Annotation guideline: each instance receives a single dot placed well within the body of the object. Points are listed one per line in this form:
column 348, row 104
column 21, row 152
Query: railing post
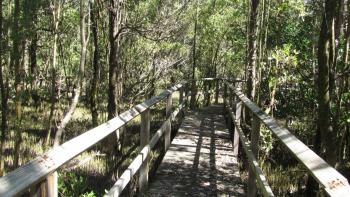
column 225, row 95
column 193, row 94
column 186, row 95
column 167, row 133
column 230, row 98
column 217, row 91
column 237, row 124
column 52, row 185
column 144, row 140
column 42, row 189
column 229, row 106
column 181, row 96
column 181, row 99
column 254, row 145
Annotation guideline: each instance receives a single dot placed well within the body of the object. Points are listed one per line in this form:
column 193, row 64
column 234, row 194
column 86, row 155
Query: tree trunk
column 115, row 68
column 326, row 50
column 252, row 54
column 193, row 84
column 33, row 53
column 153, row 78
column 95, row 65
column 56, row 13
column 4, row 98
column 252, row 49
column 342, row 89
column 115, row 83
column 80, row 83
column 15, row 63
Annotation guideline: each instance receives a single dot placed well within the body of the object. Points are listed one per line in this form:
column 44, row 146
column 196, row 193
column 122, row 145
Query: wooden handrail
column 136, row 164
column 239, row 136
column 330, row 179
column 36, row 171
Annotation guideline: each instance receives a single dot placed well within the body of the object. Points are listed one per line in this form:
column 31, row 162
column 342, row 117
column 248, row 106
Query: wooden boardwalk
column 200, row 159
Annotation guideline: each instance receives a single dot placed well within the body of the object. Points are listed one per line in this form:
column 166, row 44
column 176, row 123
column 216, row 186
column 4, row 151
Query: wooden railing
column 141, row 162
column 333, row 183
column 35, row 177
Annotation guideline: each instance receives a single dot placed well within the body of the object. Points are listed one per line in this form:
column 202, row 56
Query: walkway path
column 200, row 160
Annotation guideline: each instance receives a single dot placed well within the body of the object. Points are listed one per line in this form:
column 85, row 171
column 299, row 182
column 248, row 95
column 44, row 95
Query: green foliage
column 72, row 184
column 266, row 141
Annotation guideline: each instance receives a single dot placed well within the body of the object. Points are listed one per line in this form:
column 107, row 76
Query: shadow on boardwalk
column 200, row 160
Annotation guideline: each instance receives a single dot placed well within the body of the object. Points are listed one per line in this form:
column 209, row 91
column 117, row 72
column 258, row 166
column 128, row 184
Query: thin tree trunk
column 326, row 50
column 252, row 54
column 4, row 98
column 80, row 83
column 115, row 83
column 153, row 78
column 273, row 90
column 194, row 50
column 342, row 89
column 15, row 60
column 56, row 13
column 95, row 65
column 252, row 49
column 33, row 70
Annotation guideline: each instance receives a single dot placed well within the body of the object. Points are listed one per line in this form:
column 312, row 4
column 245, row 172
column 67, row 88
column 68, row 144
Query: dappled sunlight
column 200, row 160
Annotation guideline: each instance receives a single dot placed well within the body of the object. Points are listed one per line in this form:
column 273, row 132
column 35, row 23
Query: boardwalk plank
column 200, row 160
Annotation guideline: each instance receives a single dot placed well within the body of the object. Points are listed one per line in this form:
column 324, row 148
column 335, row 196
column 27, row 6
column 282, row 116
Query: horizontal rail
column 223, row 79
column 330, row 179
column 35, row 171
column 254, row 165
column 135, row 165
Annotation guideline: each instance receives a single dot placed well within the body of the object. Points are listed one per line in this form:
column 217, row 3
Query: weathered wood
column 137, row 162
column 52, row 185
column 217, row 85
column 144, row 140
column 254, row 165
column 21, row 179
column 225, row 95
column 125, row 178
column 181, row 99
column 237, row 122
column 231, row 96
column 167, row 135
column 254, row 146
column 199, row 161
column 330, row 179
column 237, row 119
column 207, row 79
column 39, row 190
column 181, row 96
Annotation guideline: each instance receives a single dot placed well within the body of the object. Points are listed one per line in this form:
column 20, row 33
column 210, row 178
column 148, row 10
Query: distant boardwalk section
column 200, row 160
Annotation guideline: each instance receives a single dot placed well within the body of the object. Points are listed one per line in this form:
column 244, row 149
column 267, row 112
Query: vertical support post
column 225, row 95
column 40, row 189
column 217, row 91
column 52, row 185
column 230, row 98
column 254, row 145
column 186, row 96
column 144, row 141
column 167, row 133
column 193, row 94
column 181, row 99
column 238, row 113
column 181, row 96
column 230, row 118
